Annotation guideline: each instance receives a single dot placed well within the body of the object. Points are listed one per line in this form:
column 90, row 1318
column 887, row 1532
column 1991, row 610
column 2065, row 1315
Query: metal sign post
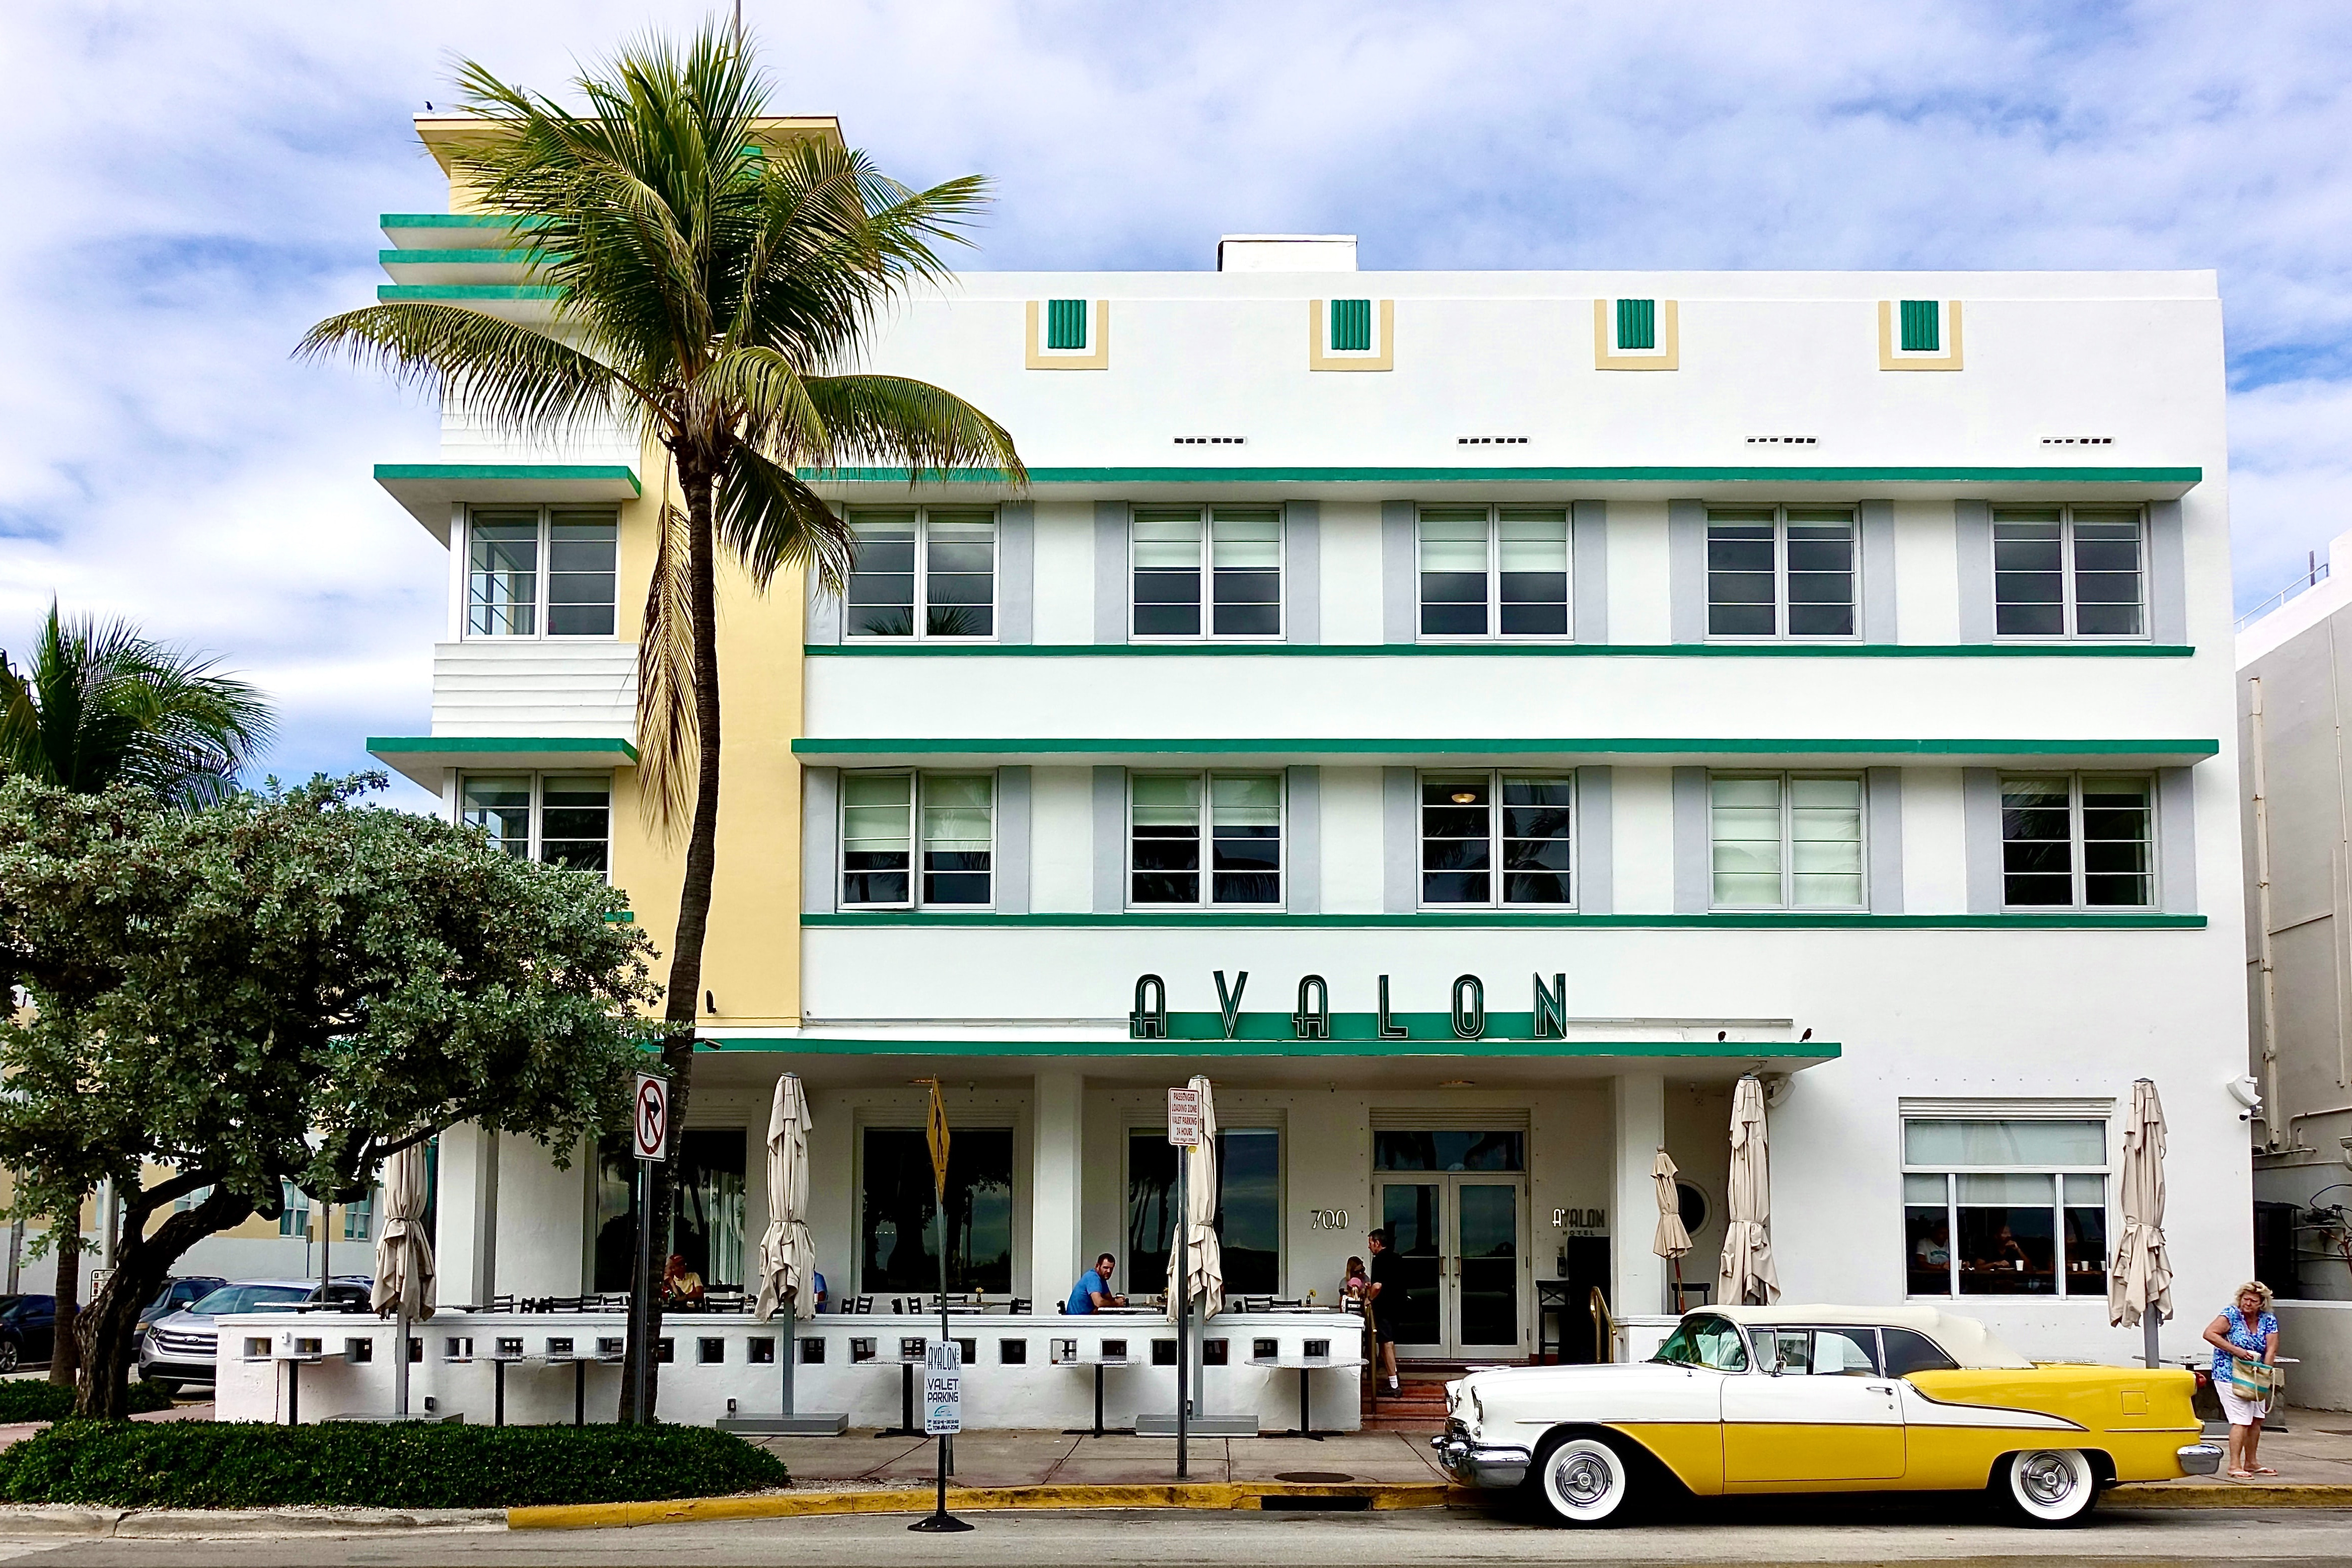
column 942, row 1361
column 649, row 1130
column 1184, row 1132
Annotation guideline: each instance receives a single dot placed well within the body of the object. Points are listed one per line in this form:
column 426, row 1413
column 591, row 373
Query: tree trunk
column 65, row 1344
column 683, row 1005
column 106, row 1333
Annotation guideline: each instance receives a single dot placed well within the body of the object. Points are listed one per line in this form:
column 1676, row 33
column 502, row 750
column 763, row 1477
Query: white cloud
column 192, row 185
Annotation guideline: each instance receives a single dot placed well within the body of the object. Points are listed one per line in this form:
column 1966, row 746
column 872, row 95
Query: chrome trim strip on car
column 1479, row 1466
column 2008, row 1415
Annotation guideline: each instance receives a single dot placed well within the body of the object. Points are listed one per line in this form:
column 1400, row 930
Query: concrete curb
column 232, row 1525
column 1223, row 1496
column 2235, row 1494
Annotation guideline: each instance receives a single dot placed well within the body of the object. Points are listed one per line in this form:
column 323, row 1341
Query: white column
column 1056, row 1156
column 1637, row 1275
column 466, row 1210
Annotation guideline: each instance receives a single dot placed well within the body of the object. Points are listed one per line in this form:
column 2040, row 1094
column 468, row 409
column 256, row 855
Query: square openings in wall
column 2078, row 440
column 1211, row 440
column 1490, row 440
column 1784, row 440
column 710, row 1350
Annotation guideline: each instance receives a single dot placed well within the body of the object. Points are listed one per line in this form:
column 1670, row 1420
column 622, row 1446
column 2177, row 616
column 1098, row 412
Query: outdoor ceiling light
column 1464, row 797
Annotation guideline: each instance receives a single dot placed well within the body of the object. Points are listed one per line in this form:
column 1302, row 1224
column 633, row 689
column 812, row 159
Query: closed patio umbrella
column 1670, row 1241
column 787, row 1251
column 2140, row 1281
column 1206, row 1280
column 1746, row 1277
column 403, row 1257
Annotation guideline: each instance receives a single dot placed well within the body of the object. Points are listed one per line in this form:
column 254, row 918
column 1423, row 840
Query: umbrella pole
column 1182, row 1285
column 784, row 1349
column 2147, row 1335
column 400, row 1351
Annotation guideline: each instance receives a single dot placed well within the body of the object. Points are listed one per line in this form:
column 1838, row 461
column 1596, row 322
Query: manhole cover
column 1314, row 1478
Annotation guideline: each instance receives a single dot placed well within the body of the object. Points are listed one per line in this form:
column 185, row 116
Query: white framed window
column 1204, row 840
column 1495, row 839
column 294, row 1217
column 1235, row 552
column 1493, row 571
column 2069, row 571
column 922, row 572
column 2078, row 841
column 541, row 570
column 556, row 819
column 1785, row 841
column 358, row 1219
column 1782, row 572
column 918, row 840
column 2005, row 1205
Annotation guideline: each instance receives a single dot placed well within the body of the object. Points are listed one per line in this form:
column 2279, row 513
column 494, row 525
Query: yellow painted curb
column 1214, row 1495
column 2235, row 1494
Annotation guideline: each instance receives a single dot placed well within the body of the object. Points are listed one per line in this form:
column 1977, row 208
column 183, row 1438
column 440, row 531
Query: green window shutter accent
column 1351, row 325
column 1066, row 323
column 1637, row 323
column 1923, row 326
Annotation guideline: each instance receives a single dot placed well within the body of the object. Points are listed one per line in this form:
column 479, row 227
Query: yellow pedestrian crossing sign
column 938, row 1138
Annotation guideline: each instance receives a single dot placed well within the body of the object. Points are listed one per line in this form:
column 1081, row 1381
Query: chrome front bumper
column 1474, row 1466
column 2199, row 1459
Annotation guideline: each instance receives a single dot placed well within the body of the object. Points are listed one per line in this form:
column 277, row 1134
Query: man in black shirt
column 1384, row 1300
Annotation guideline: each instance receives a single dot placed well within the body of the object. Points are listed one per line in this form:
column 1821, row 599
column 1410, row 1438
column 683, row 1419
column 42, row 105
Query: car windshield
column 246, row 1298
column 1711, row 1342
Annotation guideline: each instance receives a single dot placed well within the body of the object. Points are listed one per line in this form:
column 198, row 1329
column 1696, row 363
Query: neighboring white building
column 1565, row 691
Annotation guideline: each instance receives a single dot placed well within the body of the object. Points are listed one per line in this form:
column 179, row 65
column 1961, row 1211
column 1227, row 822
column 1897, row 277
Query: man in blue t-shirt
column 1093, row 1289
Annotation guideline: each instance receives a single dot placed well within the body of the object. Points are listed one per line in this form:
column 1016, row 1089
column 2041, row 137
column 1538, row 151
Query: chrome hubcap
column 1581, row 1479
column 2046, row 1478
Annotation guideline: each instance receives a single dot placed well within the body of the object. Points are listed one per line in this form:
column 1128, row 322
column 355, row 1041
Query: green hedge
column 198, row 1464
column 38, row 1399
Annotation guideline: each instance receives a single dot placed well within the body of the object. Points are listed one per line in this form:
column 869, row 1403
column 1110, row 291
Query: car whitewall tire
column 2048, row 1486
column 1584, row 1481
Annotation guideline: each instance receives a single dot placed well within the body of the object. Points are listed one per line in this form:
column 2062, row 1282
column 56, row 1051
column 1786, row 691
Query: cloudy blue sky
column 192, row 185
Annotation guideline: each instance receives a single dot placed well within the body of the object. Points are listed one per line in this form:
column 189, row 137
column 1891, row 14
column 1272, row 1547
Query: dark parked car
column 27, row 1330
column 177, row 1294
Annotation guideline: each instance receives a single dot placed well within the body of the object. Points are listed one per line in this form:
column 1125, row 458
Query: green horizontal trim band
column 401, row 293
column 935, row 648
column 1635, row 744
column 1498, row 1049
column 484, row 257
column 1491, row 919
column 529, row 473
column 456, row 220
column 1602, row 475
column 479, row 745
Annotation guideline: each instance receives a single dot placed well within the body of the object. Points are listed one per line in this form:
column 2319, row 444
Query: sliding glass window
column 2078, row 841
column 2068, row 572
column 1499, row 571
column 541, row 570
column 1238, row 551
column 1781, row 841
column 883, row 816
column 556, row 819
column 1490, row 839
column 1244, row 831
column 1780, row 571
column 922, row 572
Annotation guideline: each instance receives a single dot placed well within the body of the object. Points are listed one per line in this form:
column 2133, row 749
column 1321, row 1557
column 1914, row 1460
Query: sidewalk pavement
column 1001, row 1459
column 2315, row 1451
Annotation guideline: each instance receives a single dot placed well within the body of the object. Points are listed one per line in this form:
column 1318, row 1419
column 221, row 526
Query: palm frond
column 667, row 741
column 896, row 420
column 770, row 520
column 521, row 379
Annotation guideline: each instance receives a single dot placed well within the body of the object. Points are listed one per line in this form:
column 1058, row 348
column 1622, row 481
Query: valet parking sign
column 942, row 1389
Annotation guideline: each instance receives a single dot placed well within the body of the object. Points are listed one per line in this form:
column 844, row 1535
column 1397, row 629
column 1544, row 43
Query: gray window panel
column 2168, row 588
column 1972, row 532
column 1883, row 839
column 1399, row 572
column 1110, row 572
column 1399, row 841
column 1687, row 572
column 820, row 838
column 1694, row 876
column 824, row 614
column 1878, row 570
column 1302, row 541
column 1016, row 576
column 1596, row 891
column 1981, row 815
column 1012, row 855
column 1110, row 829
column 1305, row 829
column 2176, row 832
column 1590, row 561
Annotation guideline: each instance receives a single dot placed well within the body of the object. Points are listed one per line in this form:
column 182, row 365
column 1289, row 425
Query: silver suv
column 179, row 1348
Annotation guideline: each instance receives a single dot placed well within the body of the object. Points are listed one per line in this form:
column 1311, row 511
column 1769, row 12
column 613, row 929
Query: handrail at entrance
column 1604, row 1329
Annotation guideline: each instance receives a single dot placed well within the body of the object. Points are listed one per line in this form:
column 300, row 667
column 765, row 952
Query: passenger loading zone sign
column 942, row 1389
column 652, row 1117
column 1185, row 1116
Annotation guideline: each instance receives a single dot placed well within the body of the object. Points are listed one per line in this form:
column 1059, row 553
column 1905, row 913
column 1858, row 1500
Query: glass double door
column 1458, row 1243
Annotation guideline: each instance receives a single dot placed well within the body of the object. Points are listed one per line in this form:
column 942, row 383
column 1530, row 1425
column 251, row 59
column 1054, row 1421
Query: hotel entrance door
column 1454, row 1206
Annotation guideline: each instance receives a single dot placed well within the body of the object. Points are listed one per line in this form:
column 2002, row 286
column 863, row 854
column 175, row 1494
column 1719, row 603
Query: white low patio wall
column 256, row 1363
column 2318, row 1336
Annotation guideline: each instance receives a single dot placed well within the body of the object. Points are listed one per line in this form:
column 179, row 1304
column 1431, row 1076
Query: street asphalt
column 1734, row 1535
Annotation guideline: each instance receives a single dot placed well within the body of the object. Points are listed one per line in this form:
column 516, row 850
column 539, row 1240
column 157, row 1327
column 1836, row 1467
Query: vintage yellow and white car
column 1749, row 1400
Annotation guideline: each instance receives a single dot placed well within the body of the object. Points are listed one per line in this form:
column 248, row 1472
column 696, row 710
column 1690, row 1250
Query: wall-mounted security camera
column 2248, row 1092
column 1776, row 1087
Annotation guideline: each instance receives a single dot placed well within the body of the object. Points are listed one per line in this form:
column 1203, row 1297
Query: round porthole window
column 1693, row 1203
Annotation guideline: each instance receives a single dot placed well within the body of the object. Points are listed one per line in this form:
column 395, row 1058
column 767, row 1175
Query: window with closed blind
column 2005, row 1206
column 1205, row 839
column 1207, row 571
column 917, row 839
column 1494, row 572
column 1785, row 841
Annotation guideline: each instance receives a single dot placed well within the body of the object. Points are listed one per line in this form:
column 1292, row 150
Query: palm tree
column 98, row 705
column 715, row 293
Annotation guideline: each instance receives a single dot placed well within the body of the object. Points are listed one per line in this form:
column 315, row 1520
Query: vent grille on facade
column 1490, row 440
column 1784, row 440
column 1212, row 441
column 2078, row 440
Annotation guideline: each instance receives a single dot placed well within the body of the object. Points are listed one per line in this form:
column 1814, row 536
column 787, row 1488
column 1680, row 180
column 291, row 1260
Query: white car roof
column 1965, row 1340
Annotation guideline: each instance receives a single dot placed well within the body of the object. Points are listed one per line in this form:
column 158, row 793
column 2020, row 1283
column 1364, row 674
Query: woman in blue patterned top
column 2246, row 1330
